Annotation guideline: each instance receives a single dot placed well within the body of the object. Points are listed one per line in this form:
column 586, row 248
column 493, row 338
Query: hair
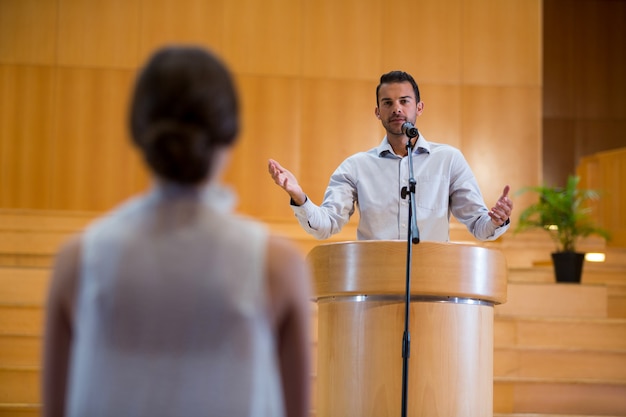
column 184, row 107
column 398, row 77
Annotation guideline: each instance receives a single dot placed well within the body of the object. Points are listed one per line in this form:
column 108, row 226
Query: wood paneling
column 585, row 59
column 343, row 39
column 307, row 73
column 605, row 172
column 27, row 118
column 95, row 166
column 27, row 31
column 99, row 33
column 423, row 37
column 501, row 137
column 270, row 129
column 501, row 42
column 182, row 21
column 264, row 37
column 584, row 95
column 441, row 120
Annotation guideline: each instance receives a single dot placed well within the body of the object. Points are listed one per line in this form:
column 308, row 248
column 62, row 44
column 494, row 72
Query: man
column 373, row 180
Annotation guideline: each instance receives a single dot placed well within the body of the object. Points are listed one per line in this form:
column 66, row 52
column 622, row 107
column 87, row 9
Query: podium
column 359, row 288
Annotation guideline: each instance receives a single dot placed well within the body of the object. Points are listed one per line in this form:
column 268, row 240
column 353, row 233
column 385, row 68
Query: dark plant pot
column 568, row 266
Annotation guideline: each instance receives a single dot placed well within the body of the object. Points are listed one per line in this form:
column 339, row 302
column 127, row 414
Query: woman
column 171, row 305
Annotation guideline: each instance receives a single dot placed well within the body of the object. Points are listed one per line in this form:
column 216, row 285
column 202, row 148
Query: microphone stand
column 412, row 238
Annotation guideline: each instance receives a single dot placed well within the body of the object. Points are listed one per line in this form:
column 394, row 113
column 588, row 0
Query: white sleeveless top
column 171, row 312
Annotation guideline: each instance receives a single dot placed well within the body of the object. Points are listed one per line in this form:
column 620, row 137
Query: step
column 24, row 285
column 617, row 301
column 593, row 273
column 528, row 254
column 32, row 242
column 19, row 385
column 21, row 319
column 33, row 237
column 527, row 249
column 20, row 350
column 554, row 300
column 614, row 278
column 578, row 364
column 20, row 410
column 26, row 260
column 535, row 247
column 552, row 333
column 50, row 220
column 559, row 396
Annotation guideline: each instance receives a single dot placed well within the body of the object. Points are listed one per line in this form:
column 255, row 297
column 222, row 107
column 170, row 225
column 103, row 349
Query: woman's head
column 184, row 109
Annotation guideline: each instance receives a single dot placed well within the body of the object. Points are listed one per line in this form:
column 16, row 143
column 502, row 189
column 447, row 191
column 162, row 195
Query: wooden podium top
column 437, row 269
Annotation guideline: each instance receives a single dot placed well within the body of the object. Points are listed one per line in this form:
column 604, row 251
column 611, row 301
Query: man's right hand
column 287, row 181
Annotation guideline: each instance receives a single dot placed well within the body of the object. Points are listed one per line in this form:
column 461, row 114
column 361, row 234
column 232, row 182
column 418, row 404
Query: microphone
column 409, row 130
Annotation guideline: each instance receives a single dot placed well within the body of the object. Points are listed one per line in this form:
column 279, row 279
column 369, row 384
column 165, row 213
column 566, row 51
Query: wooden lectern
column 360, row 292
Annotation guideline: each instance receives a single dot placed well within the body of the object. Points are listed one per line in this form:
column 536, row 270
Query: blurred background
column 525, row 88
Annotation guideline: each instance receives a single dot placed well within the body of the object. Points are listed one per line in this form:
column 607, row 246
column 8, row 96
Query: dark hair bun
column 183, row 110
column 177, row 152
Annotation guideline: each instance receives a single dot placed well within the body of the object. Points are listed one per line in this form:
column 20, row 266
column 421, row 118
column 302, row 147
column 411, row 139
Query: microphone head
column 409, row 130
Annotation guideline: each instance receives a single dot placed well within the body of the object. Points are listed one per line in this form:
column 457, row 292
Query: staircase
column 28, row 242
column 560, row 349
column 557, row 352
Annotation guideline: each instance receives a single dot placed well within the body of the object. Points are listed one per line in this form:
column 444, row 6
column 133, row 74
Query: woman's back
column 172, row 313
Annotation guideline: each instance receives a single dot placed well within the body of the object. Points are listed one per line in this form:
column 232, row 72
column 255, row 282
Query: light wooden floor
column 560, row 349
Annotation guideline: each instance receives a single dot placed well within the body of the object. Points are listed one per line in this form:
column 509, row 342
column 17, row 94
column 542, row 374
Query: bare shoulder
column 286, row 262
column 288, row 274
column 283, row 252
column 65, row 274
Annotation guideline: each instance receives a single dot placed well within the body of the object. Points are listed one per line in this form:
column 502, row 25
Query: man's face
column 397, row 105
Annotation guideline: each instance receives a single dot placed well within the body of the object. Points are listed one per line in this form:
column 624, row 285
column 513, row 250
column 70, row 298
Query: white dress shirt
column 372, row 182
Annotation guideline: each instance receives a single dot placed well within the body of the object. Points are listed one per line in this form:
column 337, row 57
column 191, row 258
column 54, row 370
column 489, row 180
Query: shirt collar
column 421, row 146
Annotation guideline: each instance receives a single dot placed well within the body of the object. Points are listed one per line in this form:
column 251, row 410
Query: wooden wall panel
column 270, row 129
column 441, row 120
column 605, row 171
column 93, row 158
column 26, row 132
column 423, row 37
column 183, row 21
column 343, row 39
column 501, row 42
column 610, row 132
column 307, row 73
column 584, row 95
column 263, row 37
column 559, row 150
column 600, row 82
column 27, row 29
column 99, row 33
column 502, row 143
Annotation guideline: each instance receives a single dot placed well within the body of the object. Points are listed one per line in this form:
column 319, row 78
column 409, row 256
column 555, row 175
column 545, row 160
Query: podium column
column 360, row 294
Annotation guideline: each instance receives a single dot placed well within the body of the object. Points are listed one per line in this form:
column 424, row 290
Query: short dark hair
column 184, row 107
column 398, row 77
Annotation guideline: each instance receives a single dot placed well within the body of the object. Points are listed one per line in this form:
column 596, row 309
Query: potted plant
column 563, row 213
